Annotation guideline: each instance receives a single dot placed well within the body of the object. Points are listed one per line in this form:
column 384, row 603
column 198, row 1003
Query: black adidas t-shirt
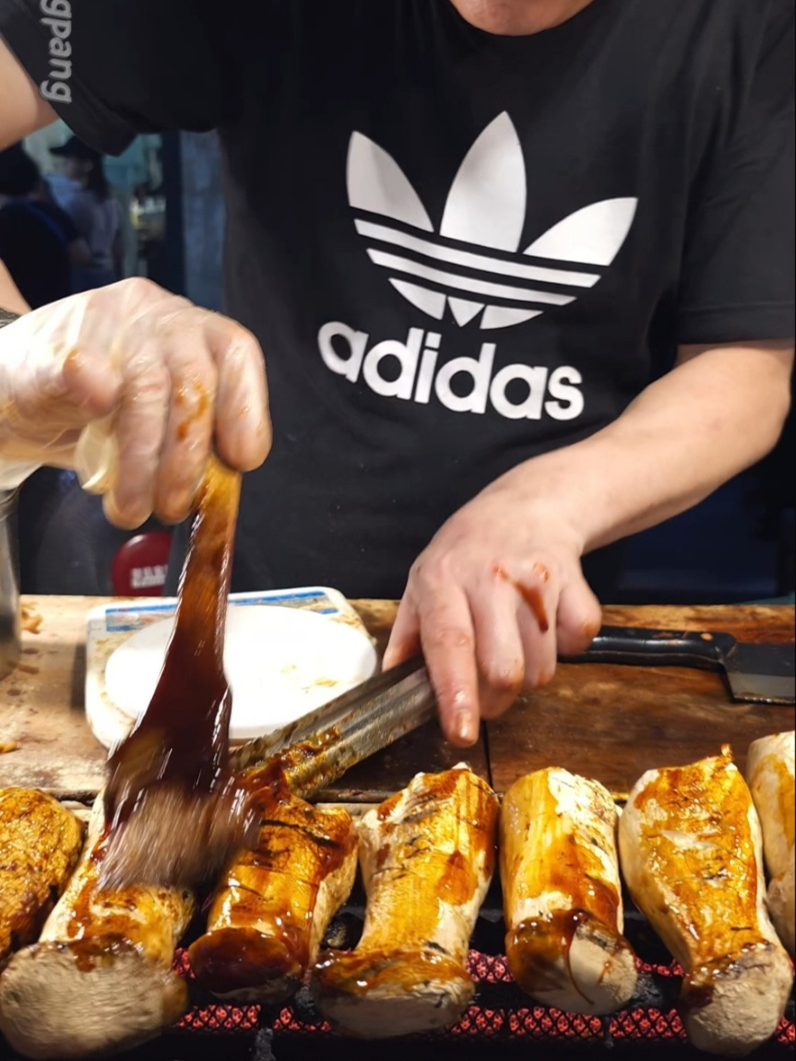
column 458, row 250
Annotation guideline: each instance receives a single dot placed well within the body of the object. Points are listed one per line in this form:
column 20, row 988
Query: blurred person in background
column 39, row 243
column 95, row 213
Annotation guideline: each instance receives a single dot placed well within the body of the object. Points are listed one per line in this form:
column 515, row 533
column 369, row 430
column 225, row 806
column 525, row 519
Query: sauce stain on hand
column 530, row 594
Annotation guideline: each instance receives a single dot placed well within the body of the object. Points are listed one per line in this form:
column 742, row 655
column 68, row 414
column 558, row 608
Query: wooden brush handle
column 183, row 734
column 204, row 584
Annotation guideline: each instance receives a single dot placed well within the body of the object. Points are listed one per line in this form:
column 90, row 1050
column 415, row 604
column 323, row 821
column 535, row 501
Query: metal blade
column 762, row 673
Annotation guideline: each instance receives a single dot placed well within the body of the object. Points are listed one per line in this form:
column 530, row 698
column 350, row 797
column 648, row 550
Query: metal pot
column 9, row 584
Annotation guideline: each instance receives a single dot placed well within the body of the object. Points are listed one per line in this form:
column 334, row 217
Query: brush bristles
column 176, row 838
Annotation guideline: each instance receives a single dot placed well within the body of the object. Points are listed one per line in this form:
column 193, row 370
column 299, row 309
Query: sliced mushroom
column 770, row 773
column 100, row 978
column 427, row 857
column 691, row 853
column 40, row 843
column 273, row 904
column 562, row 897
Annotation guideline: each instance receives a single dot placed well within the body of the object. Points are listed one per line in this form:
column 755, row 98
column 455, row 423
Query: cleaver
column 762, row 674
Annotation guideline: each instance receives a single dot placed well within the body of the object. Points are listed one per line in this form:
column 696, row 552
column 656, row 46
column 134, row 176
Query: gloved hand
column 176, row 379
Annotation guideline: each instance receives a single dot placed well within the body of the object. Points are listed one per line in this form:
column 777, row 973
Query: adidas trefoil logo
column 485, row 208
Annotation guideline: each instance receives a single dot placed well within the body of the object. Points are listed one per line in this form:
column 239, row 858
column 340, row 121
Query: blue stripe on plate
column 132, row 617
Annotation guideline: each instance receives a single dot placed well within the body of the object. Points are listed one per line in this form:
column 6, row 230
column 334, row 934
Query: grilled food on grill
column 562, row 897
column 100, row 978
column 427, row 857
column 770, row 770
column 274, row 903
column 40, row 843
column 691, row 854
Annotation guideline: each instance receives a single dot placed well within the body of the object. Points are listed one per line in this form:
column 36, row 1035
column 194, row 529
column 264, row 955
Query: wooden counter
column 608, row 722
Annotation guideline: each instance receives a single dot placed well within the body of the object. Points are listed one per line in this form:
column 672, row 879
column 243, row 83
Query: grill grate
column 499, row 1014
column 500, row 1017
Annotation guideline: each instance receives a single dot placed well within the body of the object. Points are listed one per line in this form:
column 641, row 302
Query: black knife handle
column 680, row 648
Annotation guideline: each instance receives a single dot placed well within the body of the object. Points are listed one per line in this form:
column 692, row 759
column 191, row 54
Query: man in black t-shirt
column 469, row 236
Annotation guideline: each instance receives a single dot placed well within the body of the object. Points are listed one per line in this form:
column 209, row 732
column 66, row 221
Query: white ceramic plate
column 280, row 663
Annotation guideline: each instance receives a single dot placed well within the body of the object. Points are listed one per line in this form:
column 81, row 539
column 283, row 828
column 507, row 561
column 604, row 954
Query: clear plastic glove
column 493, row 600
column 172, row 380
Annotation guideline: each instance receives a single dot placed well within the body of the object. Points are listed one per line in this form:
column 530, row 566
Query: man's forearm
column 714, row 415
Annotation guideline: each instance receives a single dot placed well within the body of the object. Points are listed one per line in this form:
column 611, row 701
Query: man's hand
column 179, row 381
column 491, row 602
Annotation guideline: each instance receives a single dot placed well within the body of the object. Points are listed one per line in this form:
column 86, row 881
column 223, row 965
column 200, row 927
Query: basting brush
column 174, row 814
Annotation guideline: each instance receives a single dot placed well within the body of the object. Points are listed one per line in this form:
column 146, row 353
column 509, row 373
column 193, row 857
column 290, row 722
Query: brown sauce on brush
column 183, row 736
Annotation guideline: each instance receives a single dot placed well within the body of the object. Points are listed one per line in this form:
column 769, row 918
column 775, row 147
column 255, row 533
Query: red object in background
column 138, row 568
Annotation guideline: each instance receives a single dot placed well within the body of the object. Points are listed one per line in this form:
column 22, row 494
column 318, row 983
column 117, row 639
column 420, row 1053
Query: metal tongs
column 317, row 749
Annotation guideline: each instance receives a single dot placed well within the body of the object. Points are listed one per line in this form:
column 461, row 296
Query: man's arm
column 499, row 592
column 22, row 110
column 721, row 409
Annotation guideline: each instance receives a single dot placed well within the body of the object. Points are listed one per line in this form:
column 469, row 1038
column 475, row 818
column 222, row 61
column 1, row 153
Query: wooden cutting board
column 605, row 721
column 613, row 722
